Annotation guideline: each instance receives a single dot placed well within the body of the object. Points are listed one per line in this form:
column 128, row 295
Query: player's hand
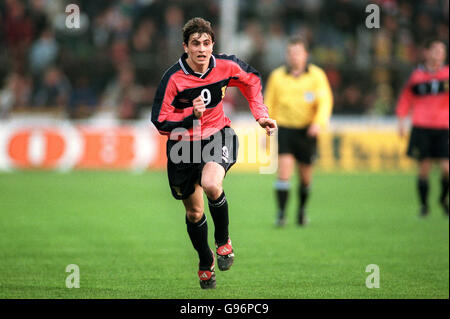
column 314, row 130
column 199, row 106
column 268, row 124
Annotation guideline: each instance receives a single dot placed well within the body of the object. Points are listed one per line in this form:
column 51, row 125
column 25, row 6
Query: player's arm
column 324, row 104
column 403, row 108
column 248, row 80
column 165, row 116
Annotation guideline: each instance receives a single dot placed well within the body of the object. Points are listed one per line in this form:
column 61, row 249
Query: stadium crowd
column 115, row 60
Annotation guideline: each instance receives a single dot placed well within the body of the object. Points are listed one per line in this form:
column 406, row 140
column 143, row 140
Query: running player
column 201, row 145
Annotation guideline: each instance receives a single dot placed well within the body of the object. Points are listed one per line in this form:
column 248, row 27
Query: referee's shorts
column 428, row 143
column 298, row 143
column 186, row 159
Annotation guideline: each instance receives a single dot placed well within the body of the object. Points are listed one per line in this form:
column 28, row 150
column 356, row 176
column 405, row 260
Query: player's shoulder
column 279, row 71
column 315, row 69
column 228, row 60
column 418, row 73
column 226, row 57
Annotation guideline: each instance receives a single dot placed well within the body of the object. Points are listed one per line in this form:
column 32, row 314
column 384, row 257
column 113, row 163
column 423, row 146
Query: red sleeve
column 164, row 115
column 405, row 100
column 248, row 80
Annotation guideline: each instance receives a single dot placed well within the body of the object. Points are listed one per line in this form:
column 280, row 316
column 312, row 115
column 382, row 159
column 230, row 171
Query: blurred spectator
column 15, row 94
column 83, row 101
column 267, row 10
column 44, row 52
column 174, row 21
column 144, row 53
column 53, row 91
column 246, row 39
column 275, row 49
column 250, row 45
column 123, row 96
column 119, row 52
column 352, row 101
column 18, row 30
column 424, row 23
column 101, row 33
column 38, row 15
column 383, row 102
column 118, row 19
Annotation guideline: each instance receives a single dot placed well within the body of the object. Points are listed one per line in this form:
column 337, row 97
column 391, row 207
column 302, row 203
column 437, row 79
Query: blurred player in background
column 426, row 96
column 299, row 98
column 190, row 97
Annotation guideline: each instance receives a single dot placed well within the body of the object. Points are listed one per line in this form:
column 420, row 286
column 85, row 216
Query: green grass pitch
column 128, row 237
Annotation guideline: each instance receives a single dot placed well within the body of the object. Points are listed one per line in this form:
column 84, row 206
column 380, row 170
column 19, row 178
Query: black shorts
column 428, row 143
column 298, row 143
column 186, row 159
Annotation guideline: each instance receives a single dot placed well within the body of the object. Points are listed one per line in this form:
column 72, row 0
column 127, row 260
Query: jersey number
column 206, row 96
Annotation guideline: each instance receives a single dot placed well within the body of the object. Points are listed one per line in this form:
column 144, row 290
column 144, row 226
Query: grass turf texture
column 128, row 236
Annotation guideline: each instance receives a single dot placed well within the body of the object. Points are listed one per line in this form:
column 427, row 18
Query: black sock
column 282, row 192
column 219, row 213
column 198, row 233
column 444, row 188
column 303, row 196
column 422, row 186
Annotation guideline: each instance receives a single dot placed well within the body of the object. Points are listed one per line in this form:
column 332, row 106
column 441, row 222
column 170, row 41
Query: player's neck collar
column 424, row 67
column 289, row 69
column 188, row 70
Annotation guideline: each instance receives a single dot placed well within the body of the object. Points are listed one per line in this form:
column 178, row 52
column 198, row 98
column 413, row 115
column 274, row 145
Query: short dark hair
column 197, row 25
column 298, row 39
column 427, row 44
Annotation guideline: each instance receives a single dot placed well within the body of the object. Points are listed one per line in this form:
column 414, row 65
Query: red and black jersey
column 426, row 95
column 180, row 85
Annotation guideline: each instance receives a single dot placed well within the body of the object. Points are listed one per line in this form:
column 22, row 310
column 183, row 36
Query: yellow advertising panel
column 353, row 149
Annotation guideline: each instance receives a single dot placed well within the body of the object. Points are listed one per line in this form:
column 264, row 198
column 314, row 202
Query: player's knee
column 212, row 188
column 194, row 215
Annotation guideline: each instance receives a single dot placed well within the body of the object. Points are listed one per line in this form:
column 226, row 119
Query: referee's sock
column 198, row 233
column 303, row 195
column 423, row 188
column 219, row 213
column 282, row 192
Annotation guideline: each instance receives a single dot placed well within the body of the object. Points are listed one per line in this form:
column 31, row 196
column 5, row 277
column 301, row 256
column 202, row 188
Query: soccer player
column 201, row 146
column 426, row 96
column 299, row 98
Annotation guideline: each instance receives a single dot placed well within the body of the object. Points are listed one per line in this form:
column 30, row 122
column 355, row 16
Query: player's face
column 296, row 56
column 436, row 54
column 199, row 50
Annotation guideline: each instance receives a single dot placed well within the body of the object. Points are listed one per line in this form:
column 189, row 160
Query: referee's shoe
column 302, row 219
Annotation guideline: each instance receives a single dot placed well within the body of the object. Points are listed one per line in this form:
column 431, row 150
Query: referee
column 299, row 98
column 425, row 96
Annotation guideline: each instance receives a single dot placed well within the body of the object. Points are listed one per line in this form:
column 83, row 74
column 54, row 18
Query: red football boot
column 225, row 256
